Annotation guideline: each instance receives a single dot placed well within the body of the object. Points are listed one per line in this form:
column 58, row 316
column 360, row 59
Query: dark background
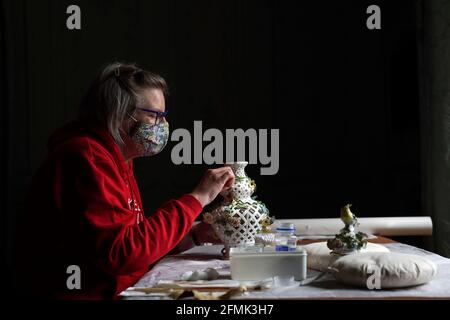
column 345, row 98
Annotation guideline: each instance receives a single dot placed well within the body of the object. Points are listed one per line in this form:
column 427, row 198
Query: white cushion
column 395, row 270
column 319, row 257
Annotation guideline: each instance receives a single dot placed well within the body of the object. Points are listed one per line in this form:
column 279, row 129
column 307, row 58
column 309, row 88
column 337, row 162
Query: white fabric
column 319, row 257
column 395, row 270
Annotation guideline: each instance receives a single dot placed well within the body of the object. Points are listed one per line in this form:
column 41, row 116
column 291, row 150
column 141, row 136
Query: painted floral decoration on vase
column 240, row 216
column 347, row 241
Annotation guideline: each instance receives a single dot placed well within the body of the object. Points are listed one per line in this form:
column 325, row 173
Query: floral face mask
column 150, row 139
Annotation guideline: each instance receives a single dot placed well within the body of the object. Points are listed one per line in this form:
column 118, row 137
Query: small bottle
column 285, row 236
column 292, row 243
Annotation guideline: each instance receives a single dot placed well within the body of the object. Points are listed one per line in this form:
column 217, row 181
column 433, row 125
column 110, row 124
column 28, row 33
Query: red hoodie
column 85, row 210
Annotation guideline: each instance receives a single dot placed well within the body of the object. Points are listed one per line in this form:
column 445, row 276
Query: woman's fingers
column 212, row 183
column 228, row 179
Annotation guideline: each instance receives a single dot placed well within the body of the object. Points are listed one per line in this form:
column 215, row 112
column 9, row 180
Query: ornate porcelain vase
column 239, row 217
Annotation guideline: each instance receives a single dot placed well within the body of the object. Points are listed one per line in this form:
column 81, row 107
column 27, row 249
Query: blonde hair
column 116, row 92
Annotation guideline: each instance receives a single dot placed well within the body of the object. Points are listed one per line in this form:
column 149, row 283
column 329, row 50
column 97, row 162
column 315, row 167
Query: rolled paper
column 382, row 226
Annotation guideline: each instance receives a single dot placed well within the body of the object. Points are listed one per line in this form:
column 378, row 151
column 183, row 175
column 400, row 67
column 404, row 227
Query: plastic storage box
column 266, row 263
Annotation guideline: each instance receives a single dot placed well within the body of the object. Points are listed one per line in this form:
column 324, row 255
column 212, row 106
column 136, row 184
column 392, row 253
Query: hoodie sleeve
column 96, row 195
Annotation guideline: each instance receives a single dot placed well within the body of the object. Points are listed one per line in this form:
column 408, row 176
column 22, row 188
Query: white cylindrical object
column 383, row 226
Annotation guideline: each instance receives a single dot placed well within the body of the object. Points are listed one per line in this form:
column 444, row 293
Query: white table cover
column 326, row 287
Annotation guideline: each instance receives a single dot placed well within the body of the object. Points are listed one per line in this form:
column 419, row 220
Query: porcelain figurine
column 347, row 241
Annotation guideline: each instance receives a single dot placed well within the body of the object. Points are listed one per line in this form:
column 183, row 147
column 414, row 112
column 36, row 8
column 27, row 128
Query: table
column 326, row 287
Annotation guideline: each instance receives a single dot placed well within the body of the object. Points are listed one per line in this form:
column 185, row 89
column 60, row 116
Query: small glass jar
column 292, row 243
column 285, row 238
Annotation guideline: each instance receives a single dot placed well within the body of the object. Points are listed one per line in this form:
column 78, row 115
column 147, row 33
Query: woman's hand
column 199, row 234
column 212, row 183
column 204, row 233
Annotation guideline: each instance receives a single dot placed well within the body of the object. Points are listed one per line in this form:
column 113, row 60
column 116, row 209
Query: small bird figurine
column 347, row 216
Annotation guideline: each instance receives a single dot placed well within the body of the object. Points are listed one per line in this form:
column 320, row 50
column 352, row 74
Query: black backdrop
column 345, row 98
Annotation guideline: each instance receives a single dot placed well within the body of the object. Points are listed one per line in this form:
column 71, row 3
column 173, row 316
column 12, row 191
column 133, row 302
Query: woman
column 88, row 207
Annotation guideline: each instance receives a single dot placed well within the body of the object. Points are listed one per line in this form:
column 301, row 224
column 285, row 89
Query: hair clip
column 117, row 72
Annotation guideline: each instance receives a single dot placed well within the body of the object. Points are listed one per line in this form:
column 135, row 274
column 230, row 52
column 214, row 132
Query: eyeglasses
column 157, row 115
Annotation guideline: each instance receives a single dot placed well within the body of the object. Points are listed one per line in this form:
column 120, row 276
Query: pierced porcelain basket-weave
column 240, row 217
